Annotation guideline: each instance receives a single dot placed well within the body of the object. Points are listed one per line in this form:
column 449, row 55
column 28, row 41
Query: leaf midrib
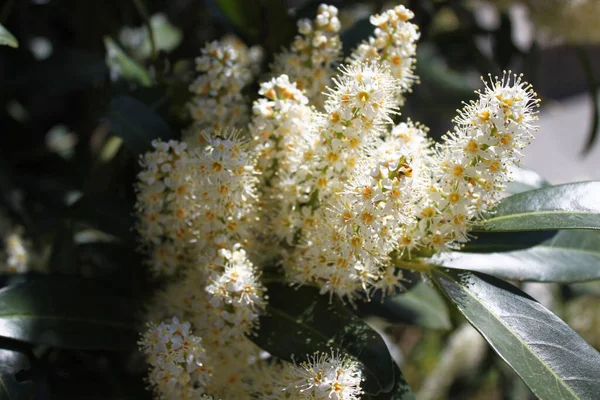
column 523, row 343
column 535, row 213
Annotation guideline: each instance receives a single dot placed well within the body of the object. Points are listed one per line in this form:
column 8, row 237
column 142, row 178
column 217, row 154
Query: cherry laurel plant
column 312, row 185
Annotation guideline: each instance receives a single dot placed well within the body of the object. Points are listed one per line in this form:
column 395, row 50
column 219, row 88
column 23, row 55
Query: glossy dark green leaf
column 67, row 312
column 15, row 371
column 545, row 352
column 301, row 322
column 492, row 242
column 571, row 256
column 569, row 206
column 524, row 180
column 7, row 38
column 421, row 305
column 137, row 124
column 400, row 391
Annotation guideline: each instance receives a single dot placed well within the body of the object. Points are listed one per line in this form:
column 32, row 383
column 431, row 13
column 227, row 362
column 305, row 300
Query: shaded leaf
column 137, row 124
column 14, row 364
column 400, row 391
column 7, row 38
column 543, row 350
column 124, row 66
column 422, row 306
column 571, row 256
column 491, row 242
column 569, row 206
column 301, row 322
column 67, row 312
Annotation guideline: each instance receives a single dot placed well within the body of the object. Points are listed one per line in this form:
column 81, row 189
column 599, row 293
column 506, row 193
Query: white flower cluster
column 323, row 376
column 17, row 254
column 278, row 124
column 394, row 44
column 310, row 60
column 470, row 169
column 330, row 194
column 177, row 359
column 225, row 68
column 164, row 206
column 194, row 210
column 191, row 203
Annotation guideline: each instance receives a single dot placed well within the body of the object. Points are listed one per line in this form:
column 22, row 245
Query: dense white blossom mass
column 315, row 181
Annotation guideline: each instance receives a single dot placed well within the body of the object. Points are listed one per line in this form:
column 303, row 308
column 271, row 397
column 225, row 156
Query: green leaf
column 69, row 313
column 421, row 305
column 571, row 256
column 524, row 180
column 492, row 242
column 124, row 66
column 569, row 206
column 543, row 350
column 7, row 38
column 400, row 391
column 136, row 124
column 301, row 322
column 14, row 362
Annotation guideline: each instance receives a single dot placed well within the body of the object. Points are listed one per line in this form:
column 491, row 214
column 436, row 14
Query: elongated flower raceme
column 394, row 44
column 164, row 206
column 325, row 192
column 471, row 166
column 309, row 61
column 191, row 203
column 218, row 103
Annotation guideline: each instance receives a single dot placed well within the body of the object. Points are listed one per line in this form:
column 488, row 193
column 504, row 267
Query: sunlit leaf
column 571, row 256
column 545, row 352
column 7, row 38
column 569, row 206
